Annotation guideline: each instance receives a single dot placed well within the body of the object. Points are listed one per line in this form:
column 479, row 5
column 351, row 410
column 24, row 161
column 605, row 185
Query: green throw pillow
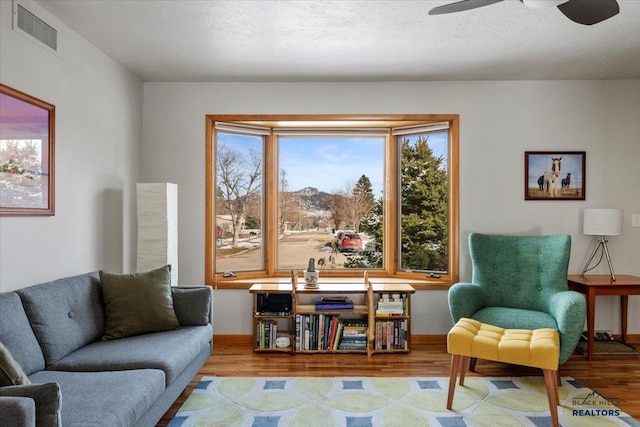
column 11, row 372
column 137, row 303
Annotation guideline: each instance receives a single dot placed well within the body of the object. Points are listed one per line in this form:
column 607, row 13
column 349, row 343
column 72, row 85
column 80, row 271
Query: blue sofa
column 54, row 330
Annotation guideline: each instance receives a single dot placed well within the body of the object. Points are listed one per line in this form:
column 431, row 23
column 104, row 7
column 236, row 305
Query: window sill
column 418, row 285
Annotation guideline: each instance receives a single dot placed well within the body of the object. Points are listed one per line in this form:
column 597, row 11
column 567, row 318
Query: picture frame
column 554, row 175
column 27, row 143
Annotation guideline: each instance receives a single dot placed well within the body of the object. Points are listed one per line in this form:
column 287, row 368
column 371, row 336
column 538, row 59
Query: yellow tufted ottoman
column 538, row 348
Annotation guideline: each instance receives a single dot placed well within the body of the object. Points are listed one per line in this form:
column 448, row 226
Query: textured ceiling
column 344, row 40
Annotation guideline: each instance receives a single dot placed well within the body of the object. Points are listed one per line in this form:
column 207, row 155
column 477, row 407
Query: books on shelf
column 329, row 332
column 391, row 335
column 266, row 333
column 354, row 335
column 391, row 305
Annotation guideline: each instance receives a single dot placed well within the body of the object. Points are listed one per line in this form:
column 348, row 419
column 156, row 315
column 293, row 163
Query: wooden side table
column 593, row 285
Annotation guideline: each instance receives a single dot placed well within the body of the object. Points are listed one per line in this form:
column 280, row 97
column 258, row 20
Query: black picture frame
column 555, row 175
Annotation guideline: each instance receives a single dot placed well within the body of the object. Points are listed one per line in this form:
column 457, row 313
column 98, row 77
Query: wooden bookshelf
column 382, row 312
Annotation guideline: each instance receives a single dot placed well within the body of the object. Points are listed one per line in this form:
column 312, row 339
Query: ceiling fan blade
column 461, row 6
column 541, row 4
column 589, row 12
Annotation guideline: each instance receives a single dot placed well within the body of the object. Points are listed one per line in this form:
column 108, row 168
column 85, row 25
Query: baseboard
column 230, row 340
column 631, row 338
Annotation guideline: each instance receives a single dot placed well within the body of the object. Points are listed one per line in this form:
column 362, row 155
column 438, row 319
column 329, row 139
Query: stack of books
column 334, row 303
column 391, row 305
column 354, row 335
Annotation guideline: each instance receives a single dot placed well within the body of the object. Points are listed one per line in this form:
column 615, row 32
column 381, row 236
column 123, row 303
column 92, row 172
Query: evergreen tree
column 424, row 213
column 424, row 207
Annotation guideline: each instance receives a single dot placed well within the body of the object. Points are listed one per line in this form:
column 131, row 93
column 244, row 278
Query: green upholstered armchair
column 520, row 282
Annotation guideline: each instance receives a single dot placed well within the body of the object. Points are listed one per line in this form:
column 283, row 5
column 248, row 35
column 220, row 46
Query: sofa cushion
column 138, row 303
column 515, row 318
column 192, row 305
column 46, row 397
column 11, row 372
column 65, row 314
column 17, row 336
column 109, row 399
column 170, row 351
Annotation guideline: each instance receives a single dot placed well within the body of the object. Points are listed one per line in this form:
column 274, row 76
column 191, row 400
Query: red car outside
column 349, row 242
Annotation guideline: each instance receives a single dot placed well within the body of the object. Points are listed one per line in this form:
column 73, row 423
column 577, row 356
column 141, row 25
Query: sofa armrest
column 17, row 412
column 46, row 397
column 193, row 305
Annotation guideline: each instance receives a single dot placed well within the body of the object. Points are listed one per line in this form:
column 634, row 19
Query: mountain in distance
column 312, row 199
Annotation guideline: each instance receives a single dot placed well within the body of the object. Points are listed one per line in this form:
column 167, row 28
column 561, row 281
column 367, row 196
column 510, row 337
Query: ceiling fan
column 587, row 12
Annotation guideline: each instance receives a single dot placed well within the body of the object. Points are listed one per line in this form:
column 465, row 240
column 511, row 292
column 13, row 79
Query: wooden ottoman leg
column 472, row 364
column 550, row 380
column 456, row 360
column 463, row 368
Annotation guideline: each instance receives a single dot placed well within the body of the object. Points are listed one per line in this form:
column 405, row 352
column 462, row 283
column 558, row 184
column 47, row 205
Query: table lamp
column 602, row 222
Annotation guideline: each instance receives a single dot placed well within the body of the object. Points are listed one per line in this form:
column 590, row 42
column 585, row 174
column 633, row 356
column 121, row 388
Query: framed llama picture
column 26, row 154
column 554, row 175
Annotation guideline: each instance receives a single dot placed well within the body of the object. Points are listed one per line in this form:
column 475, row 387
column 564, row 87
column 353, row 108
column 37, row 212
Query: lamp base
column 602, row 245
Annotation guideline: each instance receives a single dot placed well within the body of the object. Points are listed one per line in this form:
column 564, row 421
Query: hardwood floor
column 614, row 377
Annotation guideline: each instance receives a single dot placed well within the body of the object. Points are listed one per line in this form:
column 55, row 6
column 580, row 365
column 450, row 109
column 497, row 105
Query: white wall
column 97, row 158
column 498, row 122
column 100, row 121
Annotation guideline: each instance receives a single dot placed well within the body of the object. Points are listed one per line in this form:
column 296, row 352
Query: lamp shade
column 158, row 227
column 602, row 222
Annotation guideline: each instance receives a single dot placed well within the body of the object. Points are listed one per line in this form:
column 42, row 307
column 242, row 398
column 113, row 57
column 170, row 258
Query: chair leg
column 472, row 364
column 456, row 361
column 551, row 382
column 463, row 368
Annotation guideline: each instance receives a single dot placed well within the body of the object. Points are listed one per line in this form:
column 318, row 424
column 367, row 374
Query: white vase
column 311, row 279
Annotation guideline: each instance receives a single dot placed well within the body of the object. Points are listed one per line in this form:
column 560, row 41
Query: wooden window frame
column 389, row 272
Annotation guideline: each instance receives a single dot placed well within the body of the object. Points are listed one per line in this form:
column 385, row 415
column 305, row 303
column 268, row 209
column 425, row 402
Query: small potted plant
column 311, row 274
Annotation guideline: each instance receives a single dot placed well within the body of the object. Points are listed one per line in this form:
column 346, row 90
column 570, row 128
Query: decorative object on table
column 27, row 129
column 158, row 227
column 554, row 175
column 415, row 401
column 311, row 275
column 602, row 223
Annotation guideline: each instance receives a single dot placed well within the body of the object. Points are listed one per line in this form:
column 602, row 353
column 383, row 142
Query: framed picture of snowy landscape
column 554, row 175
column 26, row 154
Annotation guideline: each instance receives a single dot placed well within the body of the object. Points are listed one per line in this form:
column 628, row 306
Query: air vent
column 35, row 27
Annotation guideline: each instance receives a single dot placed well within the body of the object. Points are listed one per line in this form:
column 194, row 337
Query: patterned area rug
column 402, row 402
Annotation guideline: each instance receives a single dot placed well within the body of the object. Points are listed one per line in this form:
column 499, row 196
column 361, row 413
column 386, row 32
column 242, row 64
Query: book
column 334, row 303
column 341, row 306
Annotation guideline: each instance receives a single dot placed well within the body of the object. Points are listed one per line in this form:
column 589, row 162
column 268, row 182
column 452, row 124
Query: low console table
column 593, row 285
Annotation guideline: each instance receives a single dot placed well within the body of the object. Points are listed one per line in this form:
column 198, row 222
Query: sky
column 330, row 163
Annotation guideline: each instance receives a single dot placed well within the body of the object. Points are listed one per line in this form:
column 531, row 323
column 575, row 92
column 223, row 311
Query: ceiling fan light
column 541, row 4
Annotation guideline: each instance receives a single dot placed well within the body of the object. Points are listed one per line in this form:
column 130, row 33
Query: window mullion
column 271, row 204
column 391, row 203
